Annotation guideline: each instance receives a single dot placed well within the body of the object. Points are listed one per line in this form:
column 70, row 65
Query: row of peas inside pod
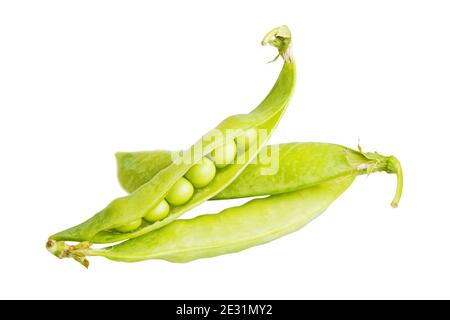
column 198, row 176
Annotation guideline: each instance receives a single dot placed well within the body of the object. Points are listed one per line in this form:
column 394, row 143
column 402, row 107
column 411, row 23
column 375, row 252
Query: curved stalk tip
column 394, row 166
column 280, row 38
column 388, row 164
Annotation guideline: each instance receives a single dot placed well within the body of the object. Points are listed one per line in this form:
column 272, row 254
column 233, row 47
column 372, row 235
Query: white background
column 81, row 80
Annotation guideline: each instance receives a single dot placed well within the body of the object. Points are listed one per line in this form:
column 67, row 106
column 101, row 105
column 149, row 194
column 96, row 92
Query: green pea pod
column 234, row 229
column 101, row 228
column 287, row 167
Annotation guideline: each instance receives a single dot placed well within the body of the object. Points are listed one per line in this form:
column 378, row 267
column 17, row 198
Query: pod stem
column 280, row 38
column 394, row 166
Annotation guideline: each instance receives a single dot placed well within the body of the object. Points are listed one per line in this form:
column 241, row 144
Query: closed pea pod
column 300, row 165
column 102, row 227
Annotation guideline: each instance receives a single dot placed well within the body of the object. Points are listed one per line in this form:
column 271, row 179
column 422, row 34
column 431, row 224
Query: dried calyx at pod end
column 62, row 250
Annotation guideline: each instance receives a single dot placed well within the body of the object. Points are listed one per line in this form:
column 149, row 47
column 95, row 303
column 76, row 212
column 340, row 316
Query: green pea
column 131, row 226
column 224, row 155
column 202, row 173
column 158, row 213
column 180, row 193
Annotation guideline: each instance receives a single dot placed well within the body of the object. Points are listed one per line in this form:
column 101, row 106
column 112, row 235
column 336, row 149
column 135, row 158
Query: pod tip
column 280, row 38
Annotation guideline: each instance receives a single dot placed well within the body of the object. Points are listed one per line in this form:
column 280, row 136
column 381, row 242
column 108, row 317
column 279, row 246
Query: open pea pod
column 232, row 230
column 102, row 227
column 279, row 168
